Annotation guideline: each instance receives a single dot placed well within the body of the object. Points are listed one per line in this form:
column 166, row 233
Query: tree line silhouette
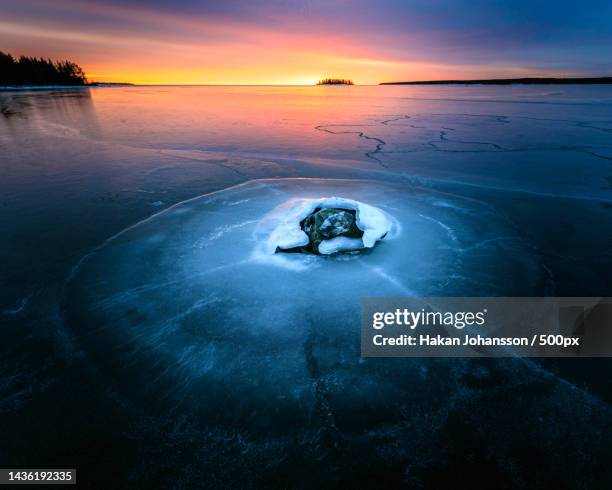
column 335, row 81
column 27, row 70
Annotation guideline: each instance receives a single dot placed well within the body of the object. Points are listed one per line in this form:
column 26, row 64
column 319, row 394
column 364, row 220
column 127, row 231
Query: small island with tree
column 29, row 71
column 335, row 81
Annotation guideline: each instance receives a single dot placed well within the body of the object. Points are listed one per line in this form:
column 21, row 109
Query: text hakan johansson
column 439, row 340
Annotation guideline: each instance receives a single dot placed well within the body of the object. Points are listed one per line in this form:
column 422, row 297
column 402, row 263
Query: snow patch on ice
column 338, row 244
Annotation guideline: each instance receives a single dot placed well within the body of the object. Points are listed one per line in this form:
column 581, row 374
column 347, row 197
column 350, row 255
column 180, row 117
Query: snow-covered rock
column 289, row 234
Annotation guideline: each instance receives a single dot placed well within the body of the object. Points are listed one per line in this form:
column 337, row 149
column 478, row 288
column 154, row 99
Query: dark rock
column 327, row 223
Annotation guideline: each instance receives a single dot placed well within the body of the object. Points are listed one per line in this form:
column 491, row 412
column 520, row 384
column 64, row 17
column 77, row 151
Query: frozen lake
column 135, row 315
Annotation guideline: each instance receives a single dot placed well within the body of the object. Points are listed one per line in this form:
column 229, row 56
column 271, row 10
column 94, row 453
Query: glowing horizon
column 298, row 42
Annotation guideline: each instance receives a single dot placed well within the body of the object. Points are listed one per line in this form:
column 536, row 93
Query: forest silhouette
column 27, row 70
column 335, row 81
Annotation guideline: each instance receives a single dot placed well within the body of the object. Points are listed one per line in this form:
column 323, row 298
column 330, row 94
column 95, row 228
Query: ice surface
column 257, row 344
column 286, row 232
column 189, row 306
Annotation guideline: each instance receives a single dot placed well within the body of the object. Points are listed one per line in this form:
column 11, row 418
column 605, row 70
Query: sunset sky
column 300, row 41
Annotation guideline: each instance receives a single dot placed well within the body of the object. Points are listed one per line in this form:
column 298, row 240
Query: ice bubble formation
column 288, row 233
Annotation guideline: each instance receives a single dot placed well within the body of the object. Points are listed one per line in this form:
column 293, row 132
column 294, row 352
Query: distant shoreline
column 494, row 81
column 513, row 81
